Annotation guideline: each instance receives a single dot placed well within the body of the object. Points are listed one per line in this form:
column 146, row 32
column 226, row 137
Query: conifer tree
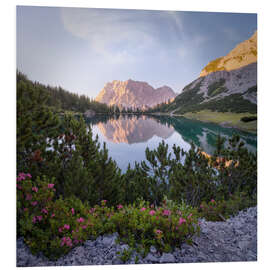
column 36, row 124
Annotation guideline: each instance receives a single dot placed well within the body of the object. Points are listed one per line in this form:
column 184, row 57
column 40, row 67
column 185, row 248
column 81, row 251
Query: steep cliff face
column 134, row 94
column 226, row 84
column 242, row 55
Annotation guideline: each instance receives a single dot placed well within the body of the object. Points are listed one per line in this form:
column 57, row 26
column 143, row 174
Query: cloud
column 128, row 36
column 109, row 28
column 116, row 29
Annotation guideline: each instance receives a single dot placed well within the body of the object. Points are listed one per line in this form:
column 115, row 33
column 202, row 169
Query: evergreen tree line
column 60, row 99
column 64, row 149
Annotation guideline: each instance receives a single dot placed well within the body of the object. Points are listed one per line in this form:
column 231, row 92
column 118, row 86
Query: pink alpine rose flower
column 28, row 197
column 152, row 212
column 21, row 176
column 34, row 220
column 50, row 185
column 66, row 241
column 166, row 212
column 35, row 189
column 143, row 209
column 181, row 221
column 66, row 226
column 72, row 211
column 34, row 203
column 92, row 210
column 103, row 202
column 80, row 220
column 45, row 211
column 119, row 206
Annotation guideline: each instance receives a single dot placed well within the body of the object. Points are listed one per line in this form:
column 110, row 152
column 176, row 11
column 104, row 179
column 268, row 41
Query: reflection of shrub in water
column 249, row 118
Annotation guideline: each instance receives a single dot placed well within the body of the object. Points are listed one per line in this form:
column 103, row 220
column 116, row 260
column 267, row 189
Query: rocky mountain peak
column 242, row 55
column 134, row 94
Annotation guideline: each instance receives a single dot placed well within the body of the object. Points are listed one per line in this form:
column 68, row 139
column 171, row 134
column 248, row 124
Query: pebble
column 230, row 241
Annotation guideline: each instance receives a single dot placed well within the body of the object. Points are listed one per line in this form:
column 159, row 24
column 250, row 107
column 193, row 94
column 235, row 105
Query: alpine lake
column 127, row 136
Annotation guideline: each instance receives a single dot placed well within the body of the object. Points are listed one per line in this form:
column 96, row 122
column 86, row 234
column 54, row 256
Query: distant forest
column 61, row 99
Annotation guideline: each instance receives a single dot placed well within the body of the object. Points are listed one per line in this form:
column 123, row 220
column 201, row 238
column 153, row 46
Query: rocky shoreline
column 230, row 241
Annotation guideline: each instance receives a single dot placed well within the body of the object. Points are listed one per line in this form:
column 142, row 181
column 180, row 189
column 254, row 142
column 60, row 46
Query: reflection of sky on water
column 124, row 153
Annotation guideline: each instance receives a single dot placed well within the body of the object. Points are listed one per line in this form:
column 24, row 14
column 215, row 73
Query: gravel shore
column 230, row 241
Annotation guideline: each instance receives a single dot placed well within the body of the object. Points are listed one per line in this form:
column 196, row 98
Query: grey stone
column 153, row 250
column 252, row 255
column 167, row 258
column 188, row 259
column 243, row 244
column 88, row 244
column 117, row 261
column 124, row 247
column 109, row 240
column 79, row 251
column 151, row 258
column 176, row 252
column 110, row 256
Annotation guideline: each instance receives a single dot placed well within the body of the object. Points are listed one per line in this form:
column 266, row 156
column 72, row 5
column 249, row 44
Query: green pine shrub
column 223, row 209
column 63, row 148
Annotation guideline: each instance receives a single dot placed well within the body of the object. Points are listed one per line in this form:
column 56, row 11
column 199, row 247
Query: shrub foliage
column 54, row 226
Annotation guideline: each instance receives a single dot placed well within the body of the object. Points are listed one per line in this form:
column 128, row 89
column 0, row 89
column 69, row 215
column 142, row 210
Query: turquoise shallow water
column 127, row 137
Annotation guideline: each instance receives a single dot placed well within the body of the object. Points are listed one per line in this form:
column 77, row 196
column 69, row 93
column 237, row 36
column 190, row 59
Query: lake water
column 128, row 136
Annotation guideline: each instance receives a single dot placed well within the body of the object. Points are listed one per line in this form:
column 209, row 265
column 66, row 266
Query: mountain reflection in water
column 127, row 136
column 134, row 130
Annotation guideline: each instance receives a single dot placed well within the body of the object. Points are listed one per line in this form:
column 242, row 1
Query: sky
column 81, row 49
